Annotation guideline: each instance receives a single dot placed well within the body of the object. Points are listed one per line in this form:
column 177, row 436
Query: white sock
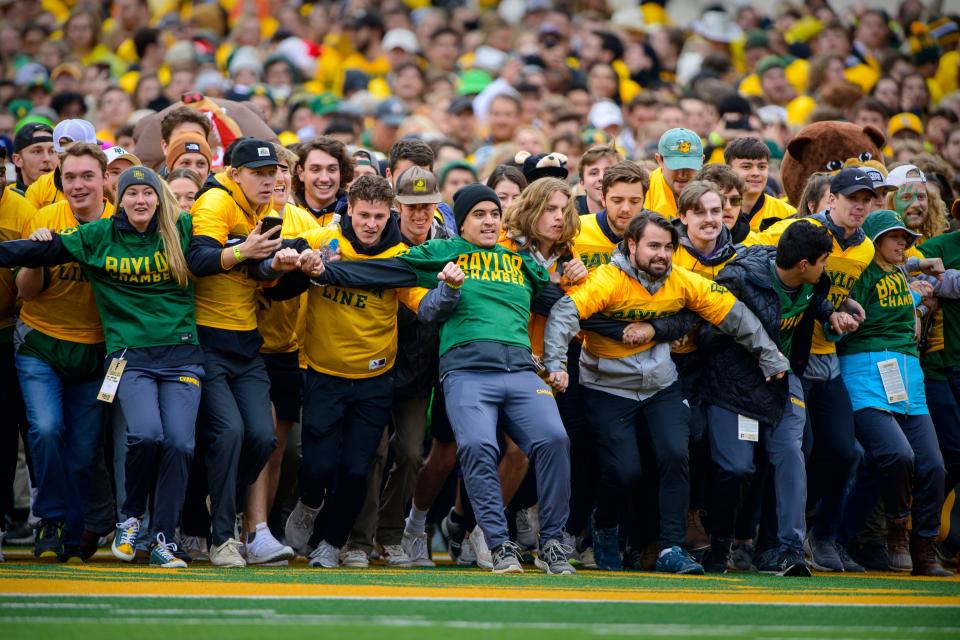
column 417, row 520
column 261, row 526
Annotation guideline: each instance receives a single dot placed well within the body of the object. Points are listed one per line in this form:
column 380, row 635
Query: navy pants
column 236, row 428
column 903, row 465
column 620, row 427
column 474, row 401
column 160, row 409
column 343, row 421
column 943, row 401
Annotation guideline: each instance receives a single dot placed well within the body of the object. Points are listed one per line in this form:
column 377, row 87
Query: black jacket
column 731, row 376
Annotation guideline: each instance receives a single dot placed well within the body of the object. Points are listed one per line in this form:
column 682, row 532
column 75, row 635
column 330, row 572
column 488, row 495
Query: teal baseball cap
column 681, row 149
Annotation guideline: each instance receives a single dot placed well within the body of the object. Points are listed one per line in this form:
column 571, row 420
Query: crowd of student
column 320, row 332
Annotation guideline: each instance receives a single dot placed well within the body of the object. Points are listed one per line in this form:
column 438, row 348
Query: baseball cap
column 116, row 153
column 883, row 220
column 903, row 174
column 904, row 122
column 770, row 62
column 851, row 180
column 874, row 169
column 460, row 104
column 325, row 104
column 31, row 133
column 681, row 149
column 75, row 130
column 416, row 185
column 400, row 39
column 391, row 111
column 605, row 114
column 254, row 153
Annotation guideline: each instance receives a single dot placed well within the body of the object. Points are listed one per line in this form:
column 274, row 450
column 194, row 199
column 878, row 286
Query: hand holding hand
column 559, row 381
column 574, row 271
column 638, row 333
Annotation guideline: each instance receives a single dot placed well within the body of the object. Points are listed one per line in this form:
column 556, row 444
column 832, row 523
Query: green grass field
column 106, row 600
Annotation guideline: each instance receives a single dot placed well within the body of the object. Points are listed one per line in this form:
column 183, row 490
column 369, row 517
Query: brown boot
column 696, row 538
column 898, row 545
column 925, row 561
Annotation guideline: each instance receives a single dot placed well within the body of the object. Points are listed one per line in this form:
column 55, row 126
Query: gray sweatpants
column 474, row 399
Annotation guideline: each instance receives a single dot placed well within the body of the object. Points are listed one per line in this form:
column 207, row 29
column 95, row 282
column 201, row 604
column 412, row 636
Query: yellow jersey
column 66, row 309
column 659, row 196
column 15, row 213
column 770, row 211
column 844, row 267
column 44, row 191
column 278, row 321
column 617, row 295
column 226, row 300
column 352, row 333
column 596, row 242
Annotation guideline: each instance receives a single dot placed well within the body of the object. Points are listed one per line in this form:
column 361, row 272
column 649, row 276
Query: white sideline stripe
column 479, row 599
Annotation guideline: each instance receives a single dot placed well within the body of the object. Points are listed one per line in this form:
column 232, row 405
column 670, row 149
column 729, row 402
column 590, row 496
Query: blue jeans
column 66, row 425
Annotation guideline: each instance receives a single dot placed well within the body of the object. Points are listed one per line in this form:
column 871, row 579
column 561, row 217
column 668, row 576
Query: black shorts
column 439, row 422
column 286, row 381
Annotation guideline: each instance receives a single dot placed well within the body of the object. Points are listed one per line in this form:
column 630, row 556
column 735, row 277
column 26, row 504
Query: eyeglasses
column 733, row 201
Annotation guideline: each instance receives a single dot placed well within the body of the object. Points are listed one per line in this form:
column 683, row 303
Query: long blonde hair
column 168, row 214
column 521, row 217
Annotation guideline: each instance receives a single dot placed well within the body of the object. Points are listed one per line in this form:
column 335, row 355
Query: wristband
column 236, row 254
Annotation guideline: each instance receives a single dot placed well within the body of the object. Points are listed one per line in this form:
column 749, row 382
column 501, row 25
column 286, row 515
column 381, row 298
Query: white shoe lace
column 415, row 546
column 396, row 553
column 230, row 546
column 130, row 528
column 165, row 549
column 556, row 551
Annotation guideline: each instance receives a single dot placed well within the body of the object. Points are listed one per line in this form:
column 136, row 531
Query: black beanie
column 466, row 198
column 138, row 175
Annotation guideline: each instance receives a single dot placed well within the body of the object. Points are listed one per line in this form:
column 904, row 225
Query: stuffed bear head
column 542, row 165
column 825, row 146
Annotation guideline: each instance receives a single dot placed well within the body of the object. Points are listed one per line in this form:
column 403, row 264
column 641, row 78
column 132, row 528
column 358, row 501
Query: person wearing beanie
column 189, row 150
column 482, row 294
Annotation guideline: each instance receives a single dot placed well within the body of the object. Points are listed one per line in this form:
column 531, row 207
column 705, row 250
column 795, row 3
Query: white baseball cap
column 75, row 130
column 116, row 153
column 905, row 173
column 605, row 114
column 400, row 39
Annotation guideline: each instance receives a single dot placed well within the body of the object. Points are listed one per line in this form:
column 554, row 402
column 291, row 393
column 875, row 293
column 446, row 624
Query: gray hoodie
column 641, row 375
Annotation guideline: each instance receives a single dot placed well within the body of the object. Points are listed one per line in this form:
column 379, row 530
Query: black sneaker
column 506, row 558
column 454, row 534
column 49, row 543
column 71, row 554
column 793, row 564
column 767, row 561
column 715, row 559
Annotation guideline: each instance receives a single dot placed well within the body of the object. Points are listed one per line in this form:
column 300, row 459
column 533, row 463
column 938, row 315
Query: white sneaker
column 484, row 557
column 195, row 547
column 325, row 555
column 228, row 554
column 468, row 556
column 266, row 550
column 299, row 528
column 394, row 555
column 124, row 545
column 354, row 558
column 415, row 547
column 528, row 523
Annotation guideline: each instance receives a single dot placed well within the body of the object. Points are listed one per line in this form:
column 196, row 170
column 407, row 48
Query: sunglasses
column 734, row 201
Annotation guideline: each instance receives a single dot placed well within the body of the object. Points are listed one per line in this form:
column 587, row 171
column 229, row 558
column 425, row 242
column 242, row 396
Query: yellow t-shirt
column 659, row 196
column 15, row 213
column 43, row 192
column 593, row 245
column 226, row 300
column 278, row 321
column 66, row 309
column 843, row 267
column 615, row 294
column 352, row 333
column 772, row 211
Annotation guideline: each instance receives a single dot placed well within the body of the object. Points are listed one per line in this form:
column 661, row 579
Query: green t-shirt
column 792, row 308
column 891, row 320
column 495, row 297
column 936, row 364
column 140, row 303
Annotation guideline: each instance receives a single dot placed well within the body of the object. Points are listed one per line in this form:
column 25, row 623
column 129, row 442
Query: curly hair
column 522, row 216
column 370, row 188
column 329, row 146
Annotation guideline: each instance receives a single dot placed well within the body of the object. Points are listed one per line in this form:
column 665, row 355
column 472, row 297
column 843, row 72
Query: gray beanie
column 138, row 175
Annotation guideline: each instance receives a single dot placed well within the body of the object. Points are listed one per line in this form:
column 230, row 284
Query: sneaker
column 325, row 556
column 124, row 545
column 71, row 554
column 467, row 556
column 696, row 538
column 849, row 564
column 162, row 555
column 227, row 554
column 393, row 555
column 506, row 558
column 552, row 558
column 415, row 546
column 767, row 561
column 21, row 533
column 678, row 561
column 299, row 528
column 569, row 540
column 479, row 542
column 49, row 539
column 587, row 559
column 717, row 557
column 194, row 546
column 823, row 554
column 872, row 556
column 354, row 558
column 263, row 549
column 741, row 557
column 898, row 546
column 454, row 534
column 527, row 527
column 793, row 564
column 606, row 548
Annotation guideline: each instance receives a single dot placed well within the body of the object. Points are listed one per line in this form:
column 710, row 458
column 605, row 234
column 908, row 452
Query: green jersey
column 943, row 352
column 495, row 297
column 793, row 304
column 890, row 324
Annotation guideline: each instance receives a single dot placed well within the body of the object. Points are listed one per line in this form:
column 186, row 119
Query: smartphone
column 269, row 223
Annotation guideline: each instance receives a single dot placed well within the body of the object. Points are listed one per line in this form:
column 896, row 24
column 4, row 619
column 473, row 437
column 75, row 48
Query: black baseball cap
column 851, row 180
column 460, row 104
column 27, row 135
column 254, row 153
